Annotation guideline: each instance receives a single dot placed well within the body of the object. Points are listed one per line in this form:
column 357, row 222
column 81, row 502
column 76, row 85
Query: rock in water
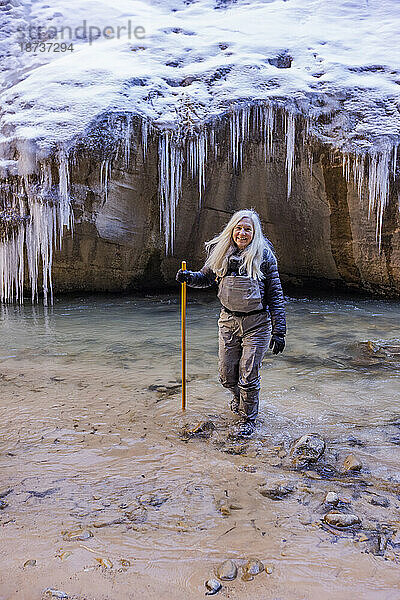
column 253, row 567
column 77, row 535
column 105, row 562
column 227, row 571
column 49, row 593
column 377, row 545
column 278, row 491
column 307, row 449
column 380, row 501
column 351, row 464
column 30, row 563
column 331, row 498
column 341, row 520
column 225, row 505
column 269, row 569
column 203, row 430
column 213, row 586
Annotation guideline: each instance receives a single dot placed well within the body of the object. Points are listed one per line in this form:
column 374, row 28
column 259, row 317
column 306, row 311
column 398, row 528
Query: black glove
column 277, row 343
column 184, row 276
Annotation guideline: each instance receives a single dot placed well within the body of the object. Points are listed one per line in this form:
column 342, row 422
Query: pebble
column 225, row 510
column 341, row 519
column 253, row 567
column 77, row 535
column 377, row 545
column 30, row 563
column 213, row 586
column 235, row 505
column 235, row 449
column 227, row 570
column 380, row 501
column 313, row 475
column 125, row 563
column 153, row 499
column 247, row 468
column 138, row 515
column 105, row 562
column 331, row 498
column 3, row 504
column 351, row 464
column 269, row 569
column 55, row 593
column 64, row 555
column 353, row 441
column 278, row 491
column 204, row 429
column 226, row 505
column 307, row 449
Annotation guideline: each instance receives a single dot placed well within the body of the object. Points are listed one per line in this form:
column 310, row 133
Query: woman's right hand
column 184, row 276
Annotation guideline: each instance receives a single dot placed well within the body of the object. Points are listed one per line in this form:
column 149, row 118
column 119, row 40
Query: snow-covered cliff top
column 317, row 56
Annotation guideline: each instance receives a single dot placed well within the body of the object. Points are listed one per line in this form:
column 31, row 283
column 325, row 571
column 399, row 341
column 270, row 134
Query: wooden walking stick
column 183, row 323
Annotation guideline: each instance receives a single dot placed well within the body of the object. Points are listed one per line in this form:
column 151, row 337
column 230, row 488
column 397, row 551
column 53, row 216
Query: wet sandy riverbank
column 111, row 499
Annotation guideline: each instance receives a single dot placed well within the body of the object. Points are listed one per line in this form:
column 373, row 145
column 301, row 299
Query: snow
column 343, row 53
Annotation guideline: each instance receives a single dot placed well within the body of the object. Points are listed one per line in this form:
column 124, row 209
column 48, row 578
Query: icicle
column 146, row 131
column 202, row 158
column 358, row 173
column 65, row 215
column 12, row 266
column 345, row 166
column 197, row 149
column 104, row 172
column 49, row 209
column 170, row 173
column 394, row 161
column 127, row 142
column 269, row 124
column 234, row 131
column 239, row 133
column 290, row 130
column 378, row 187
column 39, row 244
column 212, row 142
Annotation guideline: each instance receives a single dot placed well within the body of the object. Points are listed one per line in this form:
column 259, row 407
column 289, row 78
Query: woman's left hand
column 277, row 343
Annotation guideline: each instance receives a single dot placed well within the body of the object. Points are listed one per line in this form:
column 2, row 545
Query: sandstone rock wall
column 322, row 233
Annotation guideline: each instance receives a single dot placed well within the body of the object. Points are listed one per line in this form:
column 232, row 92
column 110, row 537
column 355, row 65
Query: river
column 109, row 494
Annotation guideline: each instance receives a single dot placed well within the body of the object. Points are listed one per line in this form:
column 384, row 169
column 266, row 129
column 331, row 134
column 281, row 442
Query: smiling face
column 243, row 233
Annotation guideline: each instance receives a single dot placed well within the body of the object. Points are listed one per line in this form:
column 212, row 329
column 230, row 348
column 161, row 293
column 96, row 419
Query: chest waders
column 244, row 333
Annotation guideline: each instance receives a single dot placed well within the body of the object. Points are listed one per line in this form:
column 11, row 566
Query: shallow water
column 88, row 440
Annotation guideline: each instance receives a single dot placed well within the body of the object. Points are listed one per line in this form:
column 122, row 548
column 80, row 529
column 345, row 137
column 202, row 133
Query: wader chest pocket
column 240, row 293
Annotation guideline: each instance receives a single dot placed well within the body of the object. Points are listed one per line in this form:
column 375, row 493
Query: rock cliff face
column 322, row 233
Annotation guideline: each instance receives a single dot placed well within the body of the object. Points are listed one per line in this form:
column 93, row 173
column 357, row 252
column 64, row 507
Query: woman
column 242, row 262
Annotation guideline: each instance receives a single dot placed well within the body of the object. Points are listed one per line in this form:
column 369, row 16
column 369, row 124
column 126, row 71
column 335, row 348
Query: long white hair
column 221, row 247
